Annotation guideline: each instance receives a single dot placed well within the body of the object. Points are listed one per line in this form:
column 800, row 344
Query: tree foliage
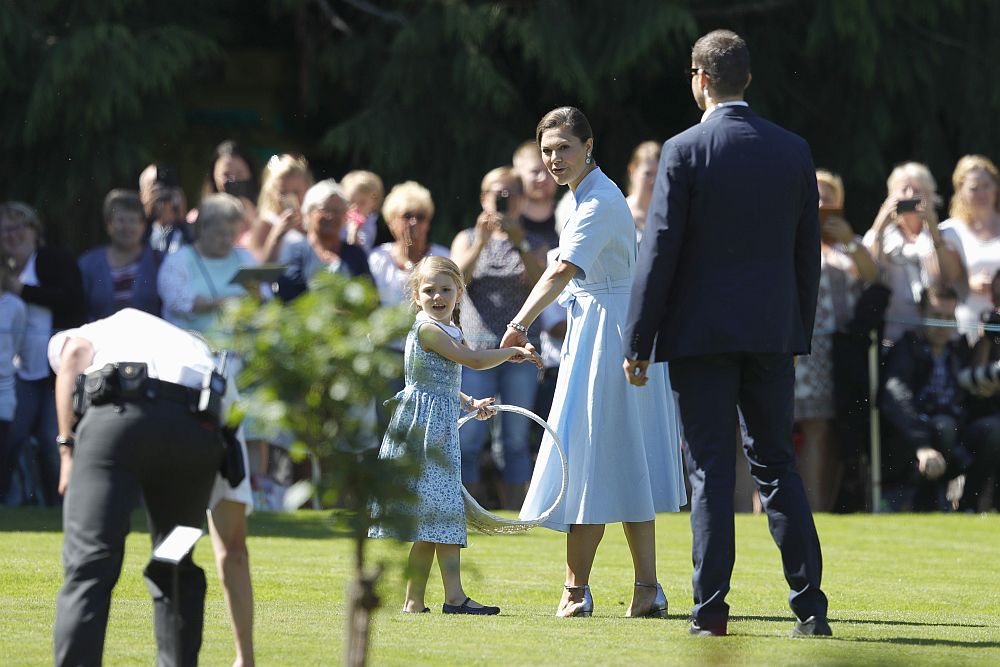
column 443, row 90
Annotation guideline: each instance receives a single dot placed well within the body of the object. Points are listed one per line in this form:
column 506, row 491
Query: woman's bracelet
column 468, row 404
column 517, row 327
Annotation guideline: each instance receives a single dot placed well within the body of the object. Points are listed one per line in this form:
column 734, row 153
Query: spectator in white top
column 974, row 230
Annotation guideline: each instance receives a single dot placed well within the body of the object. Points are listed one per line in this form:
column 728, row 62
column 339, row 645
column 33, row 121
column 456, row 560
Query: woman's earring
column 588, row 158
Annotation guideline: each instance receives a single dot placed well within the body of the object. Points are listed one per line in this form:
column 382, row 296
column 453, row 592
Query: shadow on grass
column 916, row 641
column 299, row 525
column 864, row 621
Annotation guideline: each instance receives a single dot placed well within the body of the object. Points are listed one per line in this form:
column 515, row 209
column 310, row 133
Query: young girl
column 432, row 403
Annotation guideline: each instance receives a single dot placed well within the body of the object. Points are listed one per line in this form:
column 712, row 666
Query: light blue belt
column 576, row 290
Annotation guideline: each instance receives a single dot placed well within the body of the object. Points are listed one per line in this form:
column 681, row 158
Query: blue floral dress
column 427, row 413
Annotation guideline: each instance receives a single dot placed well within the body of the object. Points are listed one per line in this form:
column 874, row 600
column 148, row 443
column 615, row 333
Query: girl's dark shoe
column 464, row 608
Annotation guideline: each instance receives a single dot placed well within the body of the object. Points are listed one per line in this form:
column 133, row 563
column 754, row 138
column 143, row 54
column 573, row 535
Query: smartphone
column 289, row 201
column 907, row 205
column 239, row 189
column 503, row 201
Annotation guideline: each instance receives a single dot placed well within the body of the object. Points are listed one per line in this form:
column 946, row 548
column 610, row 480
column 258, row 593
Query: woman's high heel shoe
column 658, row 609
column 583, row 608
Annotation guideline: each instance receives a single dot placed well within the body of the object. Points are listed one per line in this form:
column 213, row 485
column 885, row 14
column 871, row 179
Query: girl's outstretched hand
column 526, row 354
column 483, row 408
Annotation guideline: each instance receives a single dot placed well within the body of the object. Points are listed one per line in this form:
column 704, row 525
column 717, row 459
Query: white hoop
column 491, row 524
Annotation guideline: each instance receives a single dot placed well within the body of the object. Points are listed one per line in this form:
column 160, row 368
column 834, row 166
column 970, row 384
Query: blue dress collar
column 588, row 183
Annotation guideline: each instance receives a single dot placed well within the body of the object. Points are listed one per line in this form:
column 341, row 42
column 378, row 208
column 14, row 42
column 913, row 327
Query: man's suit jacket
column 729, row 259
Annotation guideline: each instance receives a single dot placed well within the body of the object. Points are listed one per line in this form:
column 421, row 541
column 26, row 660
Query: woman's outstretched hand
column 514, row 338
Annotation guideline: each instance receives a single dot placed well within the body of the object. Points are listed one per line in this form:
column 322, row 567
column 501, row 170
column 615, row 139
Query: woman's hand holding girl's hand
column 525, row 354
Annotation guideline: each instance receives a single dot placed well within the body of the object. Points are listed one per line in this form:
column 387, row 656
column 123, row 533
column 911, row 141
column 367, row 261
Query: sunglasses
column 691, row 71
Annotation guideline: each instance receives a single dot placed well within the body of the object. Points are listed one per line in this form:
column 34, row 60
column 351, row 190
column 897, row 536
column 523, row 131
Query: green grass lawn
column 903, row 590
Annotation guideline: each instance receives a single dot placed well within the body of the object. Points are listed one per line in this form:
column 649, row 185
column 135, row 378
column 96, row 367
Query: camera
column 503, row 201
column 971, row 378
column 991, row 320
column 907, row 205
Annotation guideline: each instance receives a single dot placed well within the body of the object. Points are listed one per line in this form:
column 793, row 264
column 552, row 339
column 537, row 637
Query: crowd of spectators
column 928, row 293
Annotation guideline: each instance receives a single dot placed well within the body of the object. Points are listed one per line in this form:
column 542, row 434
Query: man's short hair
column 726, row 59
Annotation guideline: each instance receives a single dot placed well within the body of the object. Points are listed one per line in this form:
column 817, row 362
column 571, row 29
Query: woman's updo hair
column 427, row 267
column 569, row 117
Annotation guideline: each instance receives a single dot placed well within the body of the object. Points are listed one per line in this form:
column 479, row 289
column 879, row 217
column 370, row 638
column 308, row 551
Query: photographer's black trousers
column 159, row 449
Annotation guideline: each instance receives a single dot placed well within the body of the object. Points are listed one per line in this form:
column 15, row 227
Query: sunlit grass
column 903, row 590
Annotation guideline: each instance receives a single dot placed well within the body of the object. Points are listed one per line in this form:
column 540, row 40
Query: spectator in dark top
column 121, row 274
column 924, row 404
column 538, row 201
column 984, row 411
column 47, row 279
column 232, row 171
column 325, row 212
column 163, row 200
column 500, row 269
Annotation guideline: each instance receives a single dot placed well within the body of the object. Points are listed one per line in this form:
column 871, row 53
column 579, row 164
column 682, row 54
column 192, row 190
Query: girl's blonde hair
column 363, row 181
column 427, row 267
column 280, row 167
column 959, row 207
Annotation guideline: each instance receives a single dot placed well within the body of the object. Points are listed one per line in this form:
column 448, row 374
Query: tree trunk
column 361, row 602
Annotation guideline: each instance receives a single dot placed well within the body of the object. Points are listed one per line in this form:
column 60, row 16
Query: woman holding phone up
column 908, row 248
column 499, row 266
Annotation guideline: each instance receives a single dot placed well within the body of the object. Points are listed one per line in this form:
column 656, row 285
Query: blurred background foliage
column 441, row 91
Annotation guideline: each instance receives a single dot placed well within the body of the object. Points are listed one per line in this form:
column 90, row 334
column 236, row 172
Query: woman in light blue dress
column 622, row 444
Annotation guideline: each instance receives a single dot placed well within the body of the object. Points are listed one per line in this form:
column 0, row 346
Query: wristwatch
column 851, row 247
column 65, row 441
column 524, row 246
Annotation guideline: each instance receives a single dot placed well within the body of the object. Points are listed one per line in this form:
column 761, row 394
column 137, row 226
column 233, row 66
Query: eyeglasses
column 691, row 71
column 415, row 216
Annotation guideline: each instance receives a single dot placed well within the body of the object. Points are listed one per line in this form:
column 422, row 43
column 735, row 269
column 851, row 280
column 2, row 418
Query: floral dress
column 426, row 420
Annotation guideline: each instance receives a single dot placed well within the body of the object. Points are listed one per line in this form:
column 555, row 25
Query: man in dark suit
column 725, row 290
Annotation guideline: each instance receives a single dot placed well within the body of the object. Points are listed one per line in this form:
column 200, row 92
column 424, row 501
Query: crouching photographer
column 932, row 439
column 141, row 406
column 982, row 381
